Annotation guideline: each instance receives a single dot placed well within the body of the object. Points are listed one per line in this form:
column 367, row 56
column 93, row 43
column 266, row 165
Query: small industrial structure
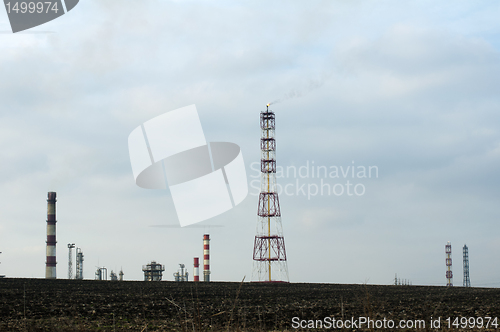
column 1, row 276
column 196, row 269
column 113, row 276
column 449, row 273
column 79, row 264
column 269, row 254
column 401, row 282
column 101, row 273
column 153, row 271
column 121, row 275
column 50, row 263
column 182, row 274
column 70, row 260
column 206, row 257
column 466, row 266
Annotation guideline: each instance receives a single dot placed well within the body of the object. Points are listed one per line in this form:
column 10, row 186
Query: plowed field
column 88, row 305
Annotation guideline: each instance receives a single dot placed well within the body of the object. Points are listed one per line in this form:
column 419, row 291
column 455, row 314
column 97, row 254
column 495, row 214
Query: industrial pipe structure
column 50, row 264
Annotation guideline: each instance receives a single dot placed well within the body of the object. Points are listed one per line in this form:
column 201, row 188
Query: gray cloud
column 410, row 88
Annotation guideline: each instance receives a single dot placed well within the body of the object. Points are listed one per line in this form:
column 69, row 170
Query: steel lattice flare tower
column 71, row 246
column 269, row 253
column 466, row 266
column 449, row 274
column 79, row 264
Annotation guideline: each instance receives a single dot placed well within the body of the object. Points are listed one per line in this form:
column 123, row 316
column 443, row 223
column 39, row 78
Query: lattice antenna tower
column 269, row 252
column 449, row 274
column 70, row 260
column 466, row 266
column 79, row 264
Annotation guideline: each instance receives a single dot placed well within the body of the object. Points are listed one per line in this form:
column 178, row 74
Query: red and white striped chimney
column 206, row 257
column 196, row 274
column 50, row 264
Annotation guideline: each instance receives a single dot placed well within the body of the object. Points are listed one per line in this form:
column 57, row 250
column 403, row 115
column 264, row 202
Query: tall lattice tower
column 466, row 266
column 79, row 264
column 70, row 260
column 449, row 274
column 269, row 253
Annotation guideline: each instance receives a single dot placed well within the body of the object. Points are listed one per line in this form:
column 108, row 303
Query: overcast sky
column 411, row 88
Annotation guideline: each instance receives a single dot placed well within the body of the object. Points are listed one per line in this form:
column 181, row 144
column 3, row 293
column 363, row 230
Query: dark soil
column 88, row 305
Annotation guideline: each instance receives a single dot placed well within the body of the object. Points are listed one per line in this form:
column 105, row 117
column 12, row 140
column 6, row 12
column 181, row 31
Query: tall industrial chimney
column 196, row 274
column 206, row 257
column 50, row 264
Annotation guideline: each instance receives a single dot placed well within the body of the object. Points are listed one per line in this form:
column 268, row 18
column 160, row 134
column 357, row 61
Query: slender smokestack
column 50, row 264
column 206, row 257
column 196, row 274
